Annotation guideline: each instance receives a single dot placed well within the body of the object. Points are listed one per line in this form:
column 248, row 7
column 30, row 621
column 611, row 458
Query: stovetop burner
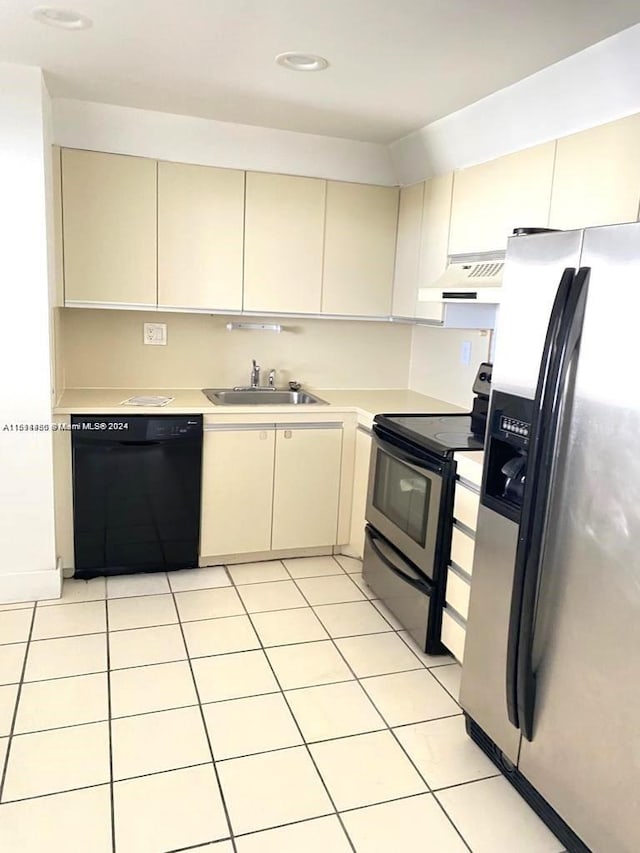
column 442, row 435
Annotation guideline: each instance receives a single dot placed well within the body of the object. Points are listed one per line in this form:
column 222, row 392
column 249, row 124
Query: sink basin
column 259, row 397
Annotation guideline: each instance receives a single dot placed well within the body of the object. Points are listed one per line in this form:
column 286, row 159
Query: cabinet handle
column 263, row 435
column 287, row 433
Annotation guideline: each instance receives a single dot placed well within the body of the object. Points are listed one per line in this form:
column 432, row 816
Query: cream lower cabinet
column 269, row 487
column 355, row 548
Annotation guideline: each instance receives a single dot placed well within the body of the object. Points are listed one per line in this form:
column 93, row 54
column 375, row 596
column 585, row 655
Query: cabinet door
column 307, row 487
column 200, row 237
column 109, row 228
column 492, row 199
column 405, row 275
column 436, row 217
column 284, row 227
column 359, row 249
column 596, row 180
column 360, row 485
column 237, row 491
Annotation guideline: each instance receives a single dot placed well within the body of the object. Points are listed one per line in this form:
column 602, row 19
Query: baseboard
column 256, row 557
column 31, row 586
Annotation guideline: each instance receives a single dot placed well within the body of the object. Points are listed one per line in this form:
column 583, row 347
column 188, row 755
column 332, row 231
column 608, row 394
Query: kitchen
column 292, row 204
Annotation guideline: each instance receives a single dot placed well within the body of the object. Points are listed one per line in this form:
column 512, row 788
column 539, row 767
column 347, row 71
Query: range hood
column 469, row 278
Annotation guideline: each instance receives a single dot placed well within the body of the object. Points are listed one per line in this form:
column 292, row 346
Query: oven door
column 403, row 501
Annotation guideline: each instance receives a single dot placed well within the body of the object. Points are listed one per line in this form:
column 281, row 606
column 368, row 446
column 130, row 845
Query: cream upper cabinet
column 405, row 275
column 284, row 224
column 436, row 216
column 359, row 249
column 307, row 487
column 109, row 228
column 237, row 490
column 596, row 180
column 200, row 237
column 492, row 199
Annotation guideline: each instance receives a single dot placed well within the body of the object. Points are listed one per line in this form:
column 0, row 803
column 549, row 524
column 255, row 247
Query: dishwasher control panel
column 136, row 428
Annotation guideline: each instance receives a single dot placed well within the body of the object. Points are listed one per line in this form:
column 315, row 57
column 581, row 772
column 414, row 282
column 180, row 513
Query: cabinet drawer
column 453, row 635
column 462, row 547
column 465, row 506
column 469, row 466
column 458, row 592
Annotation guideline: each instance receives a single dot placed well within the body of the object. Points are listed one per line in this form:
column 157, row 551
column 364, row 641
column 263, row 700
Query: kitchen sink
column 259, row 397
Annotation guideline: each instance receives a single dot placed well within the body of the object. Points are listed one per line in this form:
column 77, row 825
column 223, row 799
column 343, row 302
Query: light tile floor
column 265, row 708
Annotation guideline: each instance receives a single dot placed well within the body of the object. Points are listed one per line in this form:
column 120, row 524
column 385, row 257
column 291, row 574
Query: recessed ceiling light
column 302, row 61
column 66, row 19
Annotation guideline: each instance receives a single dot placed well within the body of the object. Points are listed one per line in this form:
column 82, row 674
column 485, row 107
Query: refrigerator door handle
column 558, row 402
column 416, row 582
column 548, row 366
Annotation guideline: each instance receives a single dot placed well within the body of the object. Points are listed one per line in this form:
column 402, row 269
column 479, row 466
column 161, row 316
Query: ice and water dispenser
column 506, row 449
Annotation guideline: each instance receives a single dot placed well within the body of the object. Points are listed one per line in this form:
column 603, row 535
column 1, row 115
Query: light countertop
column 189, row 401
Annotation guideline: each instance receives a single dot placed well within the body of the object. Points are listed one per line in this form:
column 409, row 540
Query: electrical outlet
column 155, row 334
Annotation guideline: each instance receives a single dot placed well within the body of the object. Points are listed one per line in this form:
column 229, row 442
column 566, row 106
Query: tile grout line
column 204, row 724
column 390, row 730
column 3, row 777
column 295, row 721
column 109, row 711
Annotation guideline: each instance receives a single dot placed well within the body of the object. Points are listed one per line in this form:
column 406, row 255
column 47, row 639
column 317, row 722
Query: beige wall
column 103, row 348
column 436, row 367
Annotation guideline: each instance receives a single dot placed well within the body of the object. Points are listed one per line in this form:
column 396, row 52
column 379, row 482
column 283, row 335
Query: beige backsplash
column 103, row 348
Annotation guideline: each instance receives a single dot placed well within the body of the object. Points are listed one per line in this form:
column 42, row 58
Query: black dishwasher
column 136, row 493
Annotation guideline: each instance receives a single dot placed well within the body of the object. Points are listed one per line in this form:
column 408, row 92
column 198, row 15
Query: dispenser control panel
column 513, row 426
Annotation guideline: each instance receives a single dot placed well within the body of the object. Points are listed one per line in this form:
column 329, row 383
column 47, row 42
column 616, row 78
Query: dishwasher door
column 136, row 493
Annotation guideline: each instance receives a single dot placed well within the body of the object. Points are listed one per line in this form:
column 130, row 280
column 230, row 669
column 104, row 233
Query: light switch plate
column 465, row 353
column 155, row 334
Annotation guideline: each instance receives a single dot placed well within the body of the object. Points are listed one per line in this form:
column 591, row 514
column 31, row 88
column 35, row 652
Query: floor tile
column 279, row 595
column 219, row 636
column 75, row 590
column 450, row 677
column 444, row 753
column 308, row 664
column 8, row 696
column 152, row 688
column 146, row 645
column 165, row 740
column 153, row 814
column 67, row 656
column 312, row 567
column 299, row 626
column 208, row 604
column 57, row 760
column 330, row 590
column 62, row 702
column 387, row 614
column 18, row 605
column 352, row 619
column 409, row 697
column 320, row 835
column 363, row 586
column 141, row 612
column 366, row 769
column 349, row 564
column 334, row 710
column 269, row 570
column 233, row 676
column 69, row 620
column 377, row 654
column 218, row 847
column 48, row 823
column 273, row 788
column 11, row 661
column 204, row 578
column 404, row 825
column 427, row 660
column 490, row 814
column 145, row 583
column 246, row 726
column 4, row 745
column 15, row 626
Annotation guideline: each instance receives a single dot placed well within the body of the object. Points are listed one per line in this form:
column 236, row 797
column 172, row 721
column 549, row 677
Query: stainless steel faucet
column 255, row 374
column 272, row 378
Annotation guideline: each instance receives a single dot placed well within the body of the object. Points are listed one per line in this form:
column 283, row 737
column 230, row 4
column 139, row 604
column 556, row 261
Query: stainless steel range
column 410, row 510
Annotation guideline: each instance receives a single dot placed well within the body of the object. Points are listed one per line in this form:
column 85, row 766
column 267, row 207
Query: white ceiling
column 396, row 65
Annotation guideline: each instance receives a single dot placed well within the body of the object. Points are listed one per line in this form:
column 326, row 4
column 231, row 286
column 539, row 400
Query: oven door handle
column 417, row 583
column 400, row 453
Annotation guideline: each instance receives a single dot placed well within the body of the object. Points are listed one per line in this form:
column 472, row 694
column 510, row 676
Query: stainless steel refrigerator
column 551, row 675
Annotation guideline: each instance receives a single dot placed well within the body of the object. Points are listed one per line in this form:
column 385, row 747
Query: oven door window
column 402, row 495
